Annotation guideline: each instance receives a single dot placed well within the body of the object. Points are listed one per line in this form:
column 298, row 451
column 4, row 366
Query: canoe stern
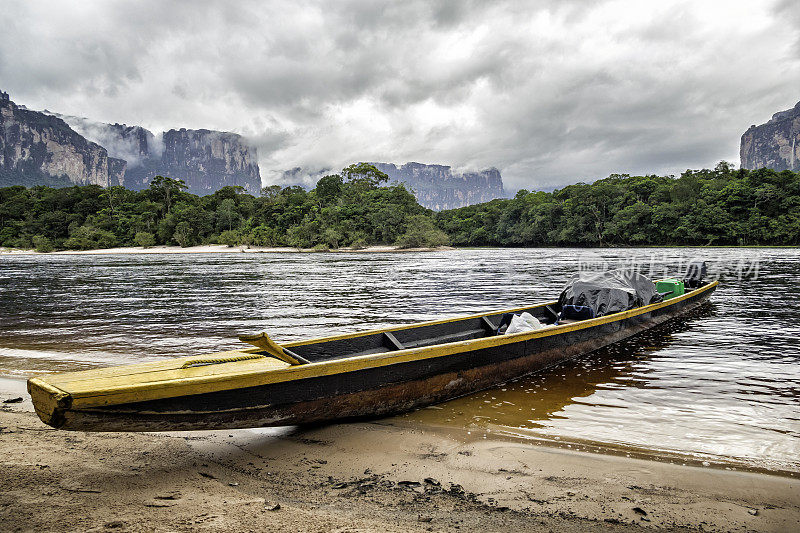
column 49, row 401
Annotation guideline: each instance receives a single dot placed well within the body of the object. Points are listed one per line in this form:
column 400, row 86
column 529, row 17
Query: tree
column 182, row 234
column 229, row 238
column 270, row 192
column 364, row 175
column 421, row 233
column 329, row 188
column 42, row 244
column 166, row 189
column 331, row 238
column 264, row 235
column 229, row 191
column 90, row 238
column 227, row 216
column 116, row 195
column 144, row 239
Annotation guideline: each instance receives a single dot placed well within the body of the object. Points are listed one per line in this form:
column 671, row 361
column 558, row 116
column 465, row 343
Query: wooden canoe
column 367, row 374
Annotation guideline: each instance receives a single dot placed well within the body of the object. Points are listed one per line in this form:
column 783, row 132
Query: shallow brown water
column 722, row 385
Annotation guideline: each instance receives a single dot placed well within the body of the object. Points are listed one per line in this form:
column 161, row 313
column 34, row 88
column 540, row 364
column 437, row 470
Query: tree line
column 357, row 208
column 354, row 209
column 720, row 206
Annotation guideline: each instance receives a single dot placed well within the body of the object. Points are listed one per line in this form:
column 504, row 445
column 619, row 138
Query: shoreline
column 567, row 444
column 16, row 386
column 373, row 476
column 220, row 248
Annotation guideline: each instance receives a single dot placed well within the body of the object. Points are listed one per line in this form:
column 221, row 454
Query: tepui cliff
column 44, row 148
column 437, row 187
column 206, row 160
column 775, row 144
column 40, row 149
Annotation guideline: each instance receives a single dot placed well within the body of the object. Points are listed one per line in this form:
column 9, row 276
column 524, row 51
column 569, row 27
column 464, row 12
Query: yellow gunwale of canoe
column 166, row 379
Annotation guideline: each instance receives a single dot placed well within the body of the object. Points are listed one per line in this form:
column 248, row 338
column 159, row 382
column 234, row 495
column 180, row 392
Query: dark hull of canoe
column 371, row 392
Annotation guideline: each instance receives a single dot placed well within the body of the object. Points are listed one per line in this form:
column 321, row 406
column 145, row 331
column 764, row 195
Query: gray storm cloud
column 548, row 92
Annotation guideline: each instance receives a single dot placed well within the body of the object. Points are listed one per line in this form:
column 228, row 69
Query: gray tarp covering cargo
column 609, row 292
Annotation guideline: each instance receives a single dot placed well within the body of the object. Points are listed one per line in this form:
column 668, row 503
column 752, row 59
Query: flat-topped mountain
column 206, row 160
column 437, row 187
column 775, row 144
column 45, row 148
column 41, row 149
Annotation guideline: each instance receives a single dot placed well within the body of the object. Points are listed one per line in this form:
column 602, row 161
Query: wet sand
column 370, row 476
column 220, row 248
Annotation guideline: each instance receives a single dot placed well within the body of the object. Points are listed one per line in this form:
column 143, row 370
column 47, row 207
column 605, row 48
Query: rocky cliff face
column 44, row 148
column 206, row 160
column 129, row 143
column 775, row 144
column 437, row 187
column 41, row 149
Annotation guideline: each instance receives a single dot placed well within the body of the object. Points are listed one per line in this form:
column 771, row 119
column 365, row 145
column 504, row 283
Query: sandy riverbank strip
column 380, row 476
column 222, row 249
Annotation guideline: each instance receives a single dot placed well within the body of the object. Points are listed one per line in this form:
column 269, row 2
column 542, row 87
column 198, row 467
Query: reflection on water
column 723, row 383
column 528, row 402
column 643, row 394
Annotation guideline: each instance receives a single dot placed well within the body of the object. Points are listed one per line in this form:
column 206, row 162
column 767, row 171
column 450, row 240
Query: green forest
column 358, row 207
column 706, row 207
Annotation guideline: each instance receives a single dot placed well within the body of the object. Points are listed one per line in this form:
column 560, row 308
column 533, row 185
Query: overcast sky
column 549, row 92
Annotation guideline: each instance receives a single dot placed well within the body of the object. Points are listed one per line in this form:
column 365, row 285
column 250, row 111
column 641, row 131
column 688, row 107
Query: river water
column 721, row 386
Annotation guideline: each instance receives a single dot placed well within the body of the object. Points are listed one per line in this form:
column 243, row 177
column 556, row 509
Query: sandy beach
column 221, row 248
column 371, row 476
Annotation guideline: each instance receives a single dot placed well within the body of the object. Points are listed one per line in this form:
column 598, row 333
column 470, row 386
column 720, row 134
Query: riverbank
column 220, row 248
column 379, row 476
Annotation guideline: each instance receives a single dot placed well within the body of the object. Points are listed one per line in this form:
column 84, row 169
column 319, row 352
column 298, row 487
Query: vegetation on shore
column 357, row 208
column 719, row 206
column 354, row 208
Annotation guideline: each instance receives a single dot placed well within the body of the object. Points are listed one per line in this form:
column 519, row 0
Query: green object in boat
column 670, row 288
